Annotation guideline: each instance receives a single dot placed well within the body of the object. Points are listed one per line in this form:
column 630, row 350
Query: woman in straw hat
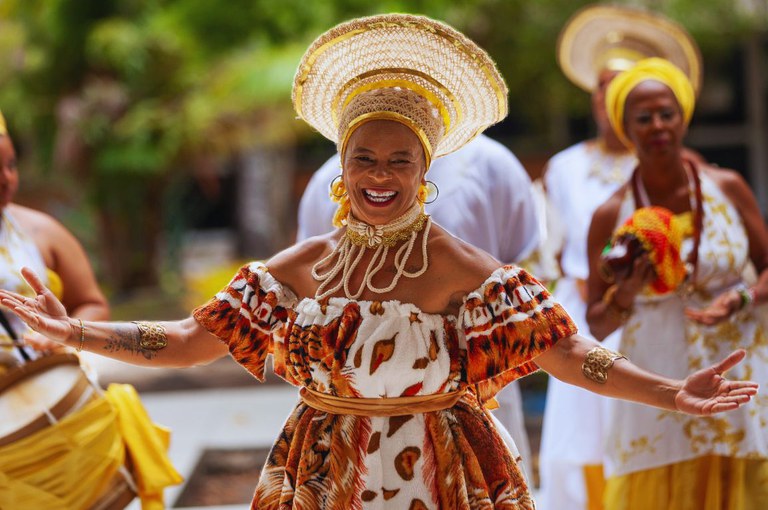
column 596, row 43
column 682, row 305
column 396, row 332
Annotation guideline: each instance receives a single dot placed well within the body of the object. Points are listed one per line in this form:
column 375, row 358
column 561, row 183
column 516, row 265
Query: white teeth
column 380, row 196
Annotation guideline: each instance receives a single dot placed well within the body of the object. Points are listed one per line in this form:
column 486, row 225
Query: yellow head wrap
column 3, row 127
column 656, row 69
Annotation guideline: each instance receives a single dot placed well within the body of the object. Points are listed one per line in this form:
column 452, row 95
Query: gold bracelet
column 597, row 362
column 151, row 335
column 612, row 307
column 82, row 336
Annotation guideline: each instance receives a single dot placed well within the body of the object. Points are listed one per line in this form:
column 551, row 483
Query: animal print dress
column 448, row 459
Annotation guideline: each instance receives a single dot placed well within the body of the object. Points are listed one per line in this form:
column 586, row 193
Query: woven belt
column 396, row 406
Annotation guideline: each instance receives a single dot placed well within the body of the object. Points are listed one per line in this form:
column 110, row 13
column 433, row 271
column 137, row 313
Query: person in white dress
column 484, row 199
column 681, row 304
column 595, row 45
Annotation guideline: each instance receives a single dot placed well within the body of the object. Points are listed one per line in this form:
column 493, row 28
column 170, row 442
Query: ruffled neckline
column 311, row 306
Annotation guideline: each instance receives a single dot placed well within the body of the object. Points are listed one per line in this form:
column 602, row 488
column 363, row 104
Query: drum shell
column 74, row 392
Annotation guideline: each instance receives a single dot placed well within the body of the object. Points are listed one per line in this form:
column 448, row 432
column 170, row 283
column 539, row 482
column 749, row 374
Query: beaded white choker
column 358, row 237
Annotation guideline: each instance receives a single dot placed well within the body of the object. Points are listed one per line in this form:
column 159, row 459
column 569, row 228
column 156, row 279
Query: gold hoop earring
column 437, row 192
column 332, row 184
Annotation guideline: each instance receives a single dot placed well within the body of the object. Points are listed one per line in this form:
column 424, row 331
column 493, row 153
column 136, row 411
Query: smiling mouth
column 379, row 197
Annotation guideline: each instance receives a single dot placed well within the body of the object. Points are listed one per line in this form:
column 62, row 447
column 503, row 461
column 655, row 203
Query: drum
column 38, row 394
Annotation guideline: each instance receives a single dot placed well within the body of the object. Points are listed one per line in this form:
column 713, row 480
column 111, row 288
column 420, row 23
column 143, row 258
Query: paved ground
column 217, row 406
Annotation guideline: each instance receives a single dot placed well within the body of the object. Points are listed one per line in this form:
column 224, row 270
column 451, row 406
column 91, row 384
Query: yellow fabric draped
column 594, row 481
column 69, row 465
column 656, row 69
column 706, row 483
column 54, row 283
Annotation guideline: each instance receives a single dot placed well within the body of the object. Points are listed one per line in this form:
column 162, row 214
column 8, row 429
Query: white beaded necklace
column 358, row 237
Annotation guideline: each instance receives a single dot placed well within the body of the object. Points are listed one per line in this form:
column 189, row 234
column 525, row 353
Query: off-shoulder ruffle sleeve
column 507, row 322
column 250, row 314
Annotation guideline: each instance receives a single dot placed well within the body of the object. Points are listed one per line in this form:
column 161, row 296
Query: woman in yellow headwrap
column 397, row 332
column 657, row 459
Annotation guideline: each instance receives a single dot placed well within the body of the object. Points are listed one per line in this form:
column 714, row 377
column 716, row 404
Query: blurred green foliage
column 123, row 95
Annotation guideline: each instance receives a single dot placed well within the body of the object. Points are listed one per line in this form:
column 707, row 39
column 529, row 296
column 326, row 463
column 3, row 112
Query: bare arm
column 702, row 393
column 187, row 343
column 82, row 296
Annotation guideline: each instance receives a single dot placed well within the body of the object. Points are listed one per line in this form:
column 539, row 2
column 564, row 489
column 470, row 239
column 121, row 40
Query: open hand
column 707, row 392
column 720, row 309
column 44, row 313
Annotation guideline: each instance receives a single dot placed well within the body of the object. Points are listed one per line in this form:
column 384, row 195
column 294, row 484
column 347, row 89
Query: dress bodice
column 658, row 336
column 382, row 349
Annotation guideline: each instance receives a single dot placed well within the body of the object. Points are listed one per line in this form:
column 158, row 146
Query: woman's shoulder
column 456, row 256
column 46, row 230
column 458, row 266
column 293, row 266
column 733, row 186
column 727, row 179
column 33, row 219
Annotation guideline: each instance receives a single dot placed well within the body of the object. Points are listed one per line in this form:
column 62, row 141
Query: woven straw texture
column 400, row 51
column 596, row 32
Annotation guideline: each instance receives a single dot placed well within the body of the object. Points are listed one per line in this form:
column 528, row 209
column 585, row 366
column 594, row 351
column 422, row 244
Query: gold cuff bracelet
column 597, row 362
column 151, row 335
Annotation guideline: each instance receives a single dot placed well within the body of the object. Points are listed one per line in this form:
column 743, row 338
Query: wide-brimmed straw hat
column 369, row 64
column 611, row 37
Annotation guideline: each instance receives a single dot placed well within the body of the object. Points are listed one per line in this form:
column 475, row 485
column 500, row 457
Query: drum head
column 36, row 392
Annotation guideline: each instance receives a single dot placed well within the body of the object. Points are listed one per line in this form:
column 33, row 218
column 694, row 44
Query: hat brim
column 592, row 30
column 410, row 51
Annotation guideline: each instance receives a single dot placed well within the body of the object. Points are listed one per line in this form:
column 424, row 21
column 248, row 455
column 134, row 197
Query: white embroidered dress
column 658, row 337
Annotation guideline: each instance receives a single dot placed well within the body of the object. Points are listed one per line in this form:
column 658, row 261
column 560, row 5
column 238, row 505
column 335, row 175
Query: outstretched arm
column 704, row 392
column 169, row 344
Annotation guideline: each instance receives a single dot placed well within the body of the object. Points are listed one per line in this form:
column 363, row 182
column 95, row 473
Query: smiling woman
column 383, row 168
column 397, row 332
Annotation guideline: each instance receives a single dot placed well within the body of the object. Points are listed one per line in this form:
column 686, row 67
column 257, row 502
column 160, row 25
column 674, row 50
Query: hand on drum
column 44, row 313
column 707, row 392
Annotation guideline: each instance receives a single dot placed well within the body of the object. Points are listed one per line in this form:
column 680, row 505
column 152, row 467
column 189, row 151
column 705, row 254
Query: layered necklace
column 359, row 237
